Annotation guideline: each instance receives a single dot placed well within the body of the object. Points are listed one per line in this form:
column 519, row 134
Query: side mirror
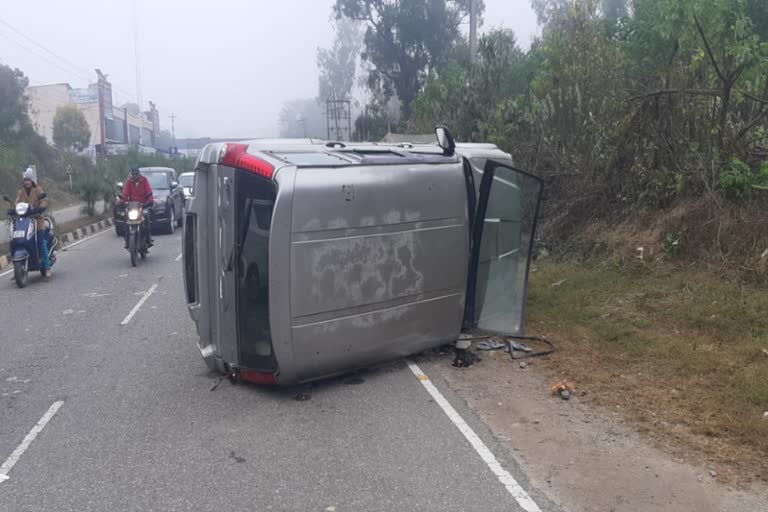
column 174, row 184
column 120, row 184
column 8, row 199
column 445, row 140
column 42, row 196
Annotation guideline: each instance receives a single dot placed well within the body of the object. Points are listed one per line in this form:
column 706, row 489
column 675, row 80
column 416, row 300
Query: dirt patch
column 582, row 455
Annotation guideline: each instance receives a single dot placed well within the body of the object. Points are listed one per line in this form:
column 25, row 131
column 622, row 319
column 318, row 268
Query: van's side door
column 502, row 241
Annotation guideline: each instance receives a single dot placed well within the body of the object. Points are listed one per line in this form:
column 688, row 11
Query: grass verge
column 683, row 355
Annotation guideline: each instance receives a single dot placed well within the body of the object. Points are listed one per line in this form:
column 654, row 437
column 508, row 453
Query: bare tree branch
column 663, row 92
column 709, row 50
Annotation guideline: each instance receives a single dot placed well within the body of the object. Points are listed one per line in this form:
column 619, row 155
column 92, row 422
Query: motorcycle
column 24, row 248
column 137, row 222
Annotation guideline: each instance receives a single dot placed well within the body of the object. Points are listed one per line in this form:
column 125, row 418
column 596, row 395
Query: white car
column 187, row 183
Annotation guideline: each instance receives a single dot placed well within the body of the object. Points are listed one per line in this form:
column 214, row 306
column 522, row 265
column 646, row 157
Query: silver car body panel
column 367, row 262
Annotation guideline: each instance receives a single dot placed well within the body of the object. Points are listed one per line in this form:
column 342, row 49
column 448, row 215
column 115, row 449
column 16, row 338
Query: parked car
column 168, row 211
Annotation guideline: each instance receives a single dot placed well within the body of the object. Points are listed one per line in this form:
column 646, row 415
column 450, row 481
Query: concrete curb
column 68, row 238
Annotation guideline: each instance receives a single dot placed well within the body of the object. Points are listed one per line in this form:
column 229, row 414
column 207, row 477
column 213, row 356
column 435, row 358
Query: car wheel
column 171, row 227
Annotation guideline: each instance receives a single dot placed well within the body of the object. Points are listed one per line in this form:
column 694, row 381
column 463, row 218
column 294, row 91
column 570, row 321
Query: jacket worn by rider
column 141, row 191
column 32, row 197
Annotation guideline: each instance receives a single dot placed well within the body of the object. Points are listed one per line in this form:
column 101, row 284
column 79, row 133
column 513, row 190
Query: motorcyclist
column 137, row 188
column 30, row 193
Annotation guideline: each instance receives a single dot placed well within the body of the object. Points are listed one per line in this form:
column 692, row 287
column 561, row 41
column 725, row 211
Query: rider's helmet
column 134, row 171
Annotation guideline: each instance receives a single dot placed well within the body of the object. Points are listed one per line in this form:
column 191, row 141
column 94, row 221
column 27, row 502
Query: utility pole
column 472, row 30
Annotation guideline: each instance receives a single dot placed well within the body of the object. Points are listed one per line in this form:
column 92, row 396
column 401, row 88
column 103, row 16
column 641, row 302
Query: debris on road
column 558, row 284
column 765, row 415
column 514, row 345
column 490, row 345
column 216, row 384
column 523, row 365
column 563, row 389
column 713, row 473
column 465, row 358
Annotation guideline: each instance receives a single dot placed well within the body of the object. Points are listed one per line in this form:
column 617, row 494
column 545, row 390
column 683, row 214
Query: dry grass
column 682, row 354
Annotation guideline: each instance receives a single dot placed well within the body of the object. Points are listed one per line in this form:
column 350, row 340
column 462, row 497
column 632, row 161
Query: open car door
column 502, row 241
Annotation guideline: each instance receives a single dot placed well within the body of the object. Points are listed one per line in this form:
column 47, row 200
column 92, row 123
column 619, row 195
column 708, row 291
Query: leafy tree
column 405, row 39
column 70, row 129
column 13, row 100
column 338, row 64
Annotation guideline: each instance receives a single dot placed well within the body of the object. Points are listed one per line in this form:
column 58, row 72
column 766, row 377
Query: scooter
column 24, row 248
column 136, row 217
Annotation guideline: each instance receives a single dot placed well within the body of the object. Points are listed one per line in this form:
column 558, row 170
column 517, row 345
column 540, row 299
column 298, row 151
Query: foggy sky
column 223, row 67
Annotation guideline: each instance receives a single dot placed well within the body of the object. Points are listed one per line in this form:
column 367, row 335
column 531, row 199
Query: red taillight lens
column 236, row 155
column 258, row 377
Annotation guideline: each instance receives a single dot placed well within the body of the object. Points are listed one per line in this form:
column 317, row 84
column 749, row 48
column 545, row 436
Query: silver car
column 304, row 260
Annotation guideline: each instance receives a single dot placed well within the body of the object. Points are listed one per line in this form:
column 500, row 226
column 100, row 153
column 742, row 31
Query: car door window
column 502, row 243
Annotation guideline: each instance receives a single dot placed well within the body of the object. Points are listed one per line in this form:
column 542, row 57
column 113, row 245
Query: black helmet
column 135, row 170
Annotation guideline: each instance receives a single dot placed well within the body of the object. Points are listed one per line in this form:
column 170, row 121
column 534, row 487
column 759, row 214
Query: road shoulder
column 583, row 457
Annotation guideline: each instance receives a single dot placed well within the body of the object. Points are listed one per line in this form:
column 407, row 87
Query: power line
column 55, row 55
column 73, row 69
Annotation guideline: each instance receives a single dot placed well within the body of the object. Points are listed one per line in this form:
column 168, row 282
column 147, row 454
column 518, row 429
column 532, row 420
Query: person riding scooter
column 30, row 193
column 137, row 188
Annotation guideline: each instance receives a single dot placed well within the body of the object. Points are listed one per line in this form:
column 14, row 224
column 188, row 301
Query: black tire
column 20, row 273
column 171, row 226
column 132, row 248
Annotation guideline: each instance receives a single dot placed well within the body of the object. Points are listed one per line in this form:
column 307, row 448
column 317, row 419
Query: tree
column 405, row 39
column 614, row 9
column 338, row 64
column 70, row 129
column 13, row 100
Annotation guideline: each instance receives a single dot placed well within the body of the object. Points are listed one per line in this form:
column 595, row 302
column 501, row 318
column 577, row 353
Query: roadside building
column 113, row 129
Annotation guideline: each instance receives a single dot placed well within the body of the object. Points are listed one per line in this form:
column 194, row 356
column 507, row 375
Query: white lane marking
column 66, row 248
column 138, row 305
column 19, row 451
column 179, row 256
column 517, row 492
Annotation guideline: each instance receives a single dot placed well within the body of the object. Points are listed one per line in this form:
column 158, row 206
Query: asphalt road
column 140, row 427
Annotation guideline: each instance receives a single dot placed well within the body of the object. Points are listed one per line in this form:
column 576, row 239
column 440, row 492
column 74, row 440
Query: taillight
column 236, row 155
column 257, row 377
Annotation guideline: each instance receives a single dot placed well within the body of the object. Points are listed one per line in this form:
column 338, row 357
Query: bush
column 736, row 180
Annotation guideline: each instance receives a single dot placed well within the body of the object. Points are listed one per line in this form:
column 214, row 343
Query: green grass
column 683, row 346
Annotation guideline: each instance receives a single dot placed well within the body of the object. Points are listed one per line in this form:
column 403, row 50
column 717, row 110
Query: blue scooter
column 24, row 233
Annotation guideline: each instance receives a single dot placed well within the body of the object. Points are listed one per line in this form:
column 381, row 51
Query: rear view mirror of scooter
column 8, row 199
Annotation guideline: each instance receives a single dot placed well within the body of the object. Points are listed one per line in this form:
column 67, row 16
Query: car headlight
column 133, row 214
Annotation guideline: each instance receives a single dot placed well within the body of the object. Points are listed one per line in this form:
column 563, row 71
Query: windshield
column 187, row 180
column 158, row 180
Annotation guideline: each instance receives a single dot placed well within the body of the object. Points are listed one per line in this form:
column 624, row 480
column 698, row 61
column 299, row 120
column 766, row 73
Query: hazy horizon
column 223, row 69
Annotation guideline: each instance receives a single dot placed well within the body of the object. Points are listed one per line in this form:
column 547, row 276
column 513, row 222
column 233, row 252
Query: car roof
column 157, row 169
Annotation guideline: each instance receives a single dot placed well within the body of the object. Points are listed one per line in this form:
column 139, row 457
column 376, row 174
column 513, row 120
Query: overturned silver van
column 305, row 259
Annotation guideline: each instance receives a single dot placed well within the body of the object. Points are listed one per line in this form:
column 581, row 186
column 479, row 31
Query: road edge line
column 504, row 476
